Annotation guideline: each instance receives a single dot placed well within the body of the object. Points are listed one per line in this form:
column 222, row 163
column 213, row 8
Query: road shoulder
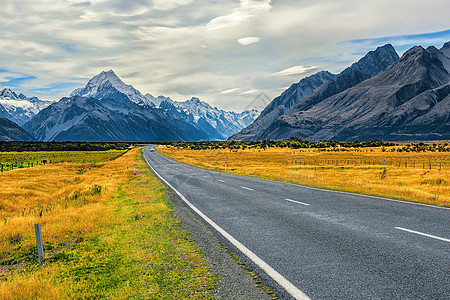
column 234, row 282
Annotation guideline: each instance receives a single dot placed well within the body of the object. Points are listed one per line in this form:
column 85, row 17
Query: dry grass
column 118, row 242
column 399, row 175
column 62, row 197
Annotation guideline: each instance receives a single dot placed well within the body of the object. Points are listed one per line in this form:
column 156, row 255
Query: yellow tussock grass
column 399, row 175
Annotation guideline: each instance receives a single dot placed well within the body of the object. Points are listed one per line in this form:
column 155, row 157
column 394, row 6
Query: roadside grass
column 108, row 234
column 17, row 160
column 418, row 177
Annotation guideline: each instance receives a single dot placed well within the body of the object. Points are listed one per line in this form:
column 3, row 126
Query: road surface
column 308, row 243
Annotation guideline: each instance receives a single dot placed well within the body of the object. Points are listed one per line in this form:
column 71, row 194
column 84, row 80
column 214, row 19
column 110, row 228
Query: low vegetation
column 61, row 146
column 417, row 172
column 26, row 159
column 108, row 233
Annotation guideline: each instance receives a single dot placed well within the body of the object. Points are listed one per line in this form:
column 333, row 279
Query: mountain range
column 107, row 109
column 18, row 107
column 381, row 96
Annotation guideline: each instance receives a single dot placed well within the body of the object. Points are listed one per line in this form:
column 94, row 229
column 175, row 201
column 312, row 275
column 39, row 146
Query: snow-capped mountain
column 107, row 109
column 18, row 107
column 108, row 85
column 108, row 120
column 226, row 123
column 223, row 123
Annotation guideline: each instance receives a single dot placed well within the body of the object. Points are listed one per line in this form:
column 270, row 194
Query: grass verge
column 133, row 249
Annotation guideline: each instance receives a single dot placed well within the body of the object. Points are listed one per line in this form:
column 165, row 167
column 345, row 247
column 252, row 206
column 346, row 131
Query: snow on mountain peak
column 18, row 107
column 108, row 85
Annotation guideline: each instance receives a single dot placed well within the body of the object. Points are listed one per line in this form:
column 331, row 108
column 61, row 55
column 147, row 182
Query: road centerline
column 424, row 234
column 298, row 202
column 246, row 188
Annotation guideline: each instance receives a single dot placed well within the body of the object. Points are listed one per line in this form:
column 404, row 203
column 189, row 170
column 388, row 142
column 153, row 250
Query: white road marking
column 221, row 180
column 298, row 202
column 424, row 234
column 246, row 188
column 280, row 279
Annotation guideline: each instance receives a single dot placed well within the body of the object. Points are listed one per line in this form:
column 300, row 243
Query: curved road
column 316, row 244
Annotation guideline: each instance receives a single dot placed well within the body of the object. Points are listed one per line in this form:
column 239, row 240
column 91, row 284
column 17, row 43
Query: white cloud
column 297, row 70
column 248, row 40
column 185, row 48
column 230, row 91
column 251, row 92
column 169, row 4
column 246, row 10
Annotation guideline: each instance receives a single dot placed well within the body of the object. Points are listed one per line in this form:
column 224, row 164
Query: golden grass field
column 108, row 233
column 413, row 176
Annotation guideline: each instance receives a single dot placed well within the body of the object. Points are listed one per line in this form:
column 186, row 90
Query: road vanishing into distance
column 308, row 243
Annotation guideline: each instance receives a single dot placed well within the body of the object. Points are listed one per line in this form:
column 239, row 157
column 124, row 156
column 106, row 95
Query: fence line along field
column 412, row 172
column 18, row 160
column 107, row 232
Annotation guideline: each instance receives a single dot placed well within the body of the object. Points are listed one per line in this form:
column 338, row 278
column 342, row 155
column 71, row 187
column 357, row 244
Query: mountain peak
column 108, row 85
column 7, row 93
column 446, row 45
column 374, row 61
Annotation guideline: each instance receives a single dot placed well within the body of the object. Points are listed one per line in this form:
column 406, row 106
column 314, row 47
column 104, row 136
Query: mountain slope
column 18, row 107
column 312, row 90
column 407, row 101
column 10, row 131
column 88, row 119
column 283, row 103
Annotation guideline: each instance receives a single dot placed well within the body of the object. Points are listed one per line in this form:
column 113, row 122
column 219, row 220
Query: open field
column 107, row 234
column 381, row 171
column 17, row 160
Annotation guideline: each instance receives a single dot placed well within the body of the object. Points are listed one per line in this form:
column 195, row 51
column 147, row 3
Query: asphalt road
column 319, row 244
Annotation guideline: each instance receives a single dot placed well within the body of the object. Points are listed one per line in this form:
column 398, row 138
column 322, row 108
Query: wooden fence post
column 40, row 247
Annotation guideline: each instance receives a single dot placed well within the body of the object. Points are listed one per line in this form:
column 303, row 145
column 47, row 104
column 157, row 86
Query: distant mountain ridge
column 10, row 131
column 409, row 100
column 315, row 88
column 219, row 123
column 107, row 109
column 18, row 107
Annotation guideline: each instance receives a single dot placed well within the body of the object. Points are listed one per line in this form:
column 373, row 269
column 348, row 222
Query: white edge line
column 424, row 234
column 280, row 279
column 319, row 189
column 298, row 202
column 246, row 188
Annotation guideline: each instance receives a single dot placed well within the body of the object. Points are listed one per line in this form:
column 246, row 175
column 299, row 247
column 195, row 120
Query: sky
column 233, row 54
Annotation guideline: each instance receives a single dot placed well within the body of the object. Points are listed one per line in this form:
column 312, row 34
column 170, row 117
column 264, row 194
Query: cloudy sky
column 226, row 52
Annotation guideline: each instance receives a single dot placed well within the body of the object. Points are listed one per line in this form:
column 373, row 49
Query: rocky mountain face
column 10, row 131
column 281, row 104
column 312, row 90
column 88, row 119
column 374, row 61
column 18, row 107
column 409, row 100
column 107, row 109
